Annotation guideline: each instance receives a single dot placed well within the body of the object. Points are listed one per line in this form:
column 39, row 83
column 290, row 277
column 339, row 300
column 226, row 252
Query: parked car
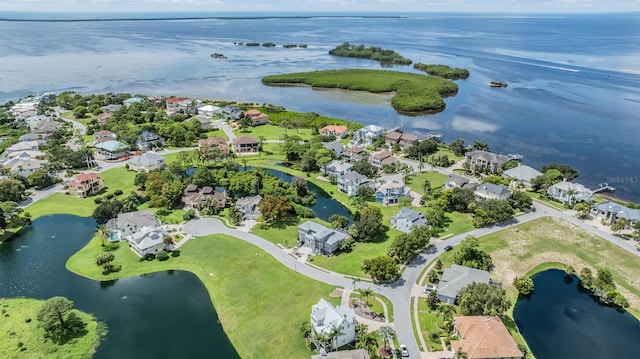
column 448, row 248
column 404, row 351
column 428, row 288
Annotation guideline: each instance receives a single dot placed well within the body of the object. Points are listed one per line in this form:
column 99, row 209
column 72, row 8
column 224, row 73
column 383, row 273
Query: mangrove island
column 451, row 73
column 385, row 56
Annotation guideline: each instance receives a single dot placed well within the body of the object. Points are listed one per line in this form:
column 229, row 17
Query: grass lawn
column 59, row 203
column 22, row 338
column 428, row 320
column 217, row 133
column 443, row 150
column 416, row 181
column 285, row 234
column 251, row 293
column 542, row 199
column 118, row 178
column 69, row 115
column 460, row 223
column 272, row 132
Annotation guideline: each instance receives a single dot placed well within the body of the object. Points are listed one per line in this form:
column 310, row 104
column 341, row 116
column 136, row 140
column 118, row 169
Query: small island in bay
column 451, row 73
column 498, row 84
column 414, row 93
column 216, row 55
column 384, row 56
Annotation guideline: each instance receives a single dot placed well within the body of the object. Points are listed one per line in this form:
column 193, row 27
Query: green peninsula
column 414, row 93
column 452, row 73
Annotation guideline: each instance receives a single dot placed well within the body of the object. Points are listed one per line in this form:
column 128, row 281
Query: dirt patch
column 336, row 293
column 363, row 310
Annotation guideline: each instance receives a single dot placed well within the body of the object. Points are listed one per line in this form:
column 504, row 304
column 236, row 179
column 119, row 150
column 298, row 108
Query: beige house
column 147, row 162
column 245, row 144
column 256, row 117
column 86, row 184
column 483, row 159
column 484, row 337
column 339, row 131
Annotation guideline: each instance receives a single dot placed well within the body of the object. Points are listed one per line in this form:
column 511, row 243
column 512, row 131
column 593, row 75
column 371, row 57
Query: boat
column 218, row 56
column 498, row 84
column 515, row 156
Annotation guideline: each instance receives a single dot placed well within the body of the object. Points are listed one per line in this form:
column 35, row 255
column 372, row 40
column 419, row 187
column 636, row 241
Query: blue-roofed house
column 320, row 238
column 407, row 219
column 149, row 140
column 132, row 100
column 112, row 150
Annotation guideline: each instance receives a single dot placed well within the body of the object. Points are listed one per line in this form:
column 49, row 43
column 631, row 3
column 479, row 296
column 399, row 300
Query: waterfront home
column 104, row 117
column 335, row 147
column 609, row 212
column 382, row 158
column 487, row 191
column 147, row 162
column 340, row 131
column 172, row 104
column 325, row 317
column 126, row 224
column 407, row 219
column 205, row 198
column 208, row 110
column 256, row 117
column 521, row 175
column 231, row 113
column 204, row 121
column 353, row 154
column 352, row 181
column 389, row 193
column 367, row 134
column 249, row 207
column 103, row 136
column 484, row 337
column 456, row 278
column 23, row 146
column 402, row 139
column 480, row 160
column 569, row 193
column 86, row 184
column 111, row 150
column 338, row 169
column 149, row 140
column 214, row 142
column 132, row 100
column 343, row 354
column 320, row 238
column 245, row 144
column 455, row 181
column 148, row 240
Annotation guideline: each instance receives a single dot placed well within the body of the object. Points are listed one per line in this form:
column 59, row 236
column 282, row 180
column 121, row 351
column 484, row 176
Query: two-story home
column 455, row 181
column 256, row 117
column 148, row 240
column 325, row 317
column 103, row 136
column 173, row 104
column 207, row 197
column 208, row 110
column 149, row 140
column 111, row 150
column 389, row 193
column 338, row 169
column 214, row 142
column 248, row 206
column 521, row 175
column 104, row 117
column 147, row 162
column 86, row 184
column 231, row 113
column 407, row 219
column 351, row 182
column 353, row 154
column 402, row 139
column 340, row 131
column 320, row 238
column 367, row 134
column 487, row 191
column 126, row 224
column 245, row 144
column 484, row 337
column 132, row 100
column 480, row 160
column 456, row 278
column 335, row 147
column 23, row 146
column 570, row 193
column 382, row 158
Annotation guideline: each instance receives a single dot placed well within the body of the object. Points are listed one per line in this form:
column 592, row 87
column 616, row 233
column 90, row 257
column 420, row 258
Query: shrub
column 149, row 257
column 162, row 255
column 97, row 200
column 27, row 320
column 117, row 192
column 302, row 211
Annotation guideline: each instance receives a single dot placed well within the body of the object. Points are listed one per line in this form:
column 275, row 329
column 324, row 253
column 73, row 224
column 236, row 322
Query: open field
column 250, row 290
column 22, row 338
column 416, row 181
column 271, row 132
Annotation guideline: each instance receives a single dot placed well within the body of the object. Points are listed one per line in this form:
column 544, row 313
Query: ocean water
column 573, row 94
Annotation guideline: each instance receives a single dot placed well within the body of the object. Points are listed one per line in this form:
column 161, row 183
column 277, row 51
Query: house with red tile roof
column 173, row 103
column 484, row 337
column 86, row 184
column 256, row 117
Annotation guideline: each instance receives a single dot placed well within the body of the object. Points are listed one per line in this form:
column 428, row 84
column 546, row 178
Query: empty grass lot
column 272, row 132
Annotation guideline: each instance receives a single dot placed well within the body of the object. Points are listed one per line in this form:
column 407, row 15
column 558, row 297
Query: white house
column 320, row 238
column 456, row 278
column 248, row 206
column 350, row 183
column 609, row 212
column 367, row 134
column 390, row 193
column 521, row 175
column 335, row 147
column 325, row 317
column 23, row 146
column 407, row 219
column 148, row 240
column 487, row 191
column 147, row 162
column 338, row 169
column 208, row 110
column 127, row 224
column 569, row 192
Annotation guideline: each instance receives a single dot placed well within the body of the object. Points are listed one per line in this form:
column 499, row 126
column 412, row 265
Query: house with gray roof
column 320, row 238
column 456, row 278
column 569, row 193
column 147, row 162
column 389, row 193
column 487, row 191
column 23, row 146
column 325, row 317
column 248, row 206
column 407, row 219
column 149, row 140
column 126, row 224
column 350, row 183
column 522, row 175
column 41, row 138
column 609, row 212
column 455, row 181
column 367, row 134
column 335, row 147
column 484, row 159
column 148, row 240
column 338, row 169
column 111, row 150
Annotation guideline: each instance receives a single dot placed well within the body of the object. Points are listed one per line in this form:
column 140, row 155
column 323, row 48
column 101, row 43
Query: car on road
column 448, row 248
column 403, row 350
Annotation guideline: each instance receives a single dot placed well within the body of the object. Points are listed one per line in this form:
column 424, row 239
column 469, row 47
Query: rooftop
column 484, row 337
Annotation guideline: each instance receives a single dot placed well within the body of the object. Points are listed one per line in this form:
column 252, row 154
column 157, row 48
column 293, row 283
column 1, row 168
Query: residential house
column 197, row 198
column 256, row 117
column 484, row 337
column 34, row 121
column 148, row 240
column 248, row 206
column 149, row 140
column 113, row 108
column 245, row 144
column 47, row 126
column 147, row 162
column 205, row 122
column 41, row 138
column 335, row 147
column 389, row 193
column 392, row 138
column 487, row 191
column 86, row 184
column 340, row 131
column 455, row 181
column 132, row 100
column 214, row 142
column 25, row 108
column 343, row 354
column 31, row 154
column 382, row 158
column 338, row 169
column 367, row 134
column 352, row 181
column 353, row 154
column 104, row 117
column 320, row 238
column 480, row 160
column 569, row 192
column 231, row 113
column 407, row 219
column 456, row 278
column 126, row 224
column 401, row 139
column 112, row 150
column 208, row 110
column 24, row 166
column 325, row 317
column 173, row 104
column 103, row 136
column 23, row 146
column 521, row 175
column 609, row 212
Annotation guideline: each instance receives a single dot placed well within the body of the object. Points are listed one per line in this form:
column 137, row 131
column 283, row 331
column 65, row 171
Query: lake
column 160, row 315
column 573, row 94
column 560, row 321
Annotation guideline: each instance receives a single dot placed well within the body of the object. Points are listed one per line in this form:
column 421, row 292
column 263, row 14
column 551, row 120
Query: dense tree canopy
column 381, row 268
column 469, row 254
column 483, row 299
column 368, row 224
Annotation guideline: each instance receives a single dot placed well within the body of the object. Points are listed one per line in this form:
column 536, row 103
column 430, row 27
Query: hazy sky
column 322, row 5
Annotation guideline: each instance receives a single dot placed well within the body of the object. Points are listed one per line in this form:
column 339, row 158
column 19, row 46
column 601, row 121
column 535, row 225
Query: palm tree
column 103, row 233
column 571, row 197
column 321, row 339
column 387, row 334
column 130, row 203
column 460, row 355
column 305, row 329
column 167, row 240
column 334, row 334
column 366, row 292
column 368, row 341
column 104, row 260
column 447, row 311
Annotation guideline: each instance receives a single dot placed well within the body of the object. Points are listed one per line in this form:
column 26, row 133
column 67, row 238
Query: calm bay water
column 559, row 321
column 159, row 315
column 574, row 80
